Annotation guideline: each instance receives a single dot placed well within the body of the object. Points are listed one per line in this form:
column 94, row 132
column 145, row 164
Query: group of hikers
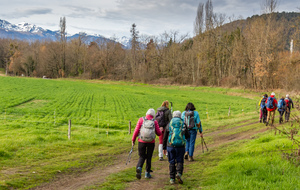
column 177, row 135
column 268, row 106
column 178, row 131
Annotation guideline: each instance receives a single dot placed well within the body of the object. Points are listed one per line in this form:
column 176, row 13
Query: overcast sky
column 115, row 17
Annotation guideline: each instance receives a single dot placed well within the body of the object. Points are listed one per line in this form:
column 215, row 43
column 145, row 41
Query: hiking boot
column 260, row 121
column 186, row 155
column 161, row 158
column 147, row 175
column 267, row 123
column 138, row 173
column 172, row 181
column 191, row 158
column 178, row 177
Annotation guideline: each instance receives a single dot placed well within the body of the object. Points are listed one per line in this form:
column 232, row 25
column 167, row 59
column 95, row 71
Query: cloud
column 20, row 13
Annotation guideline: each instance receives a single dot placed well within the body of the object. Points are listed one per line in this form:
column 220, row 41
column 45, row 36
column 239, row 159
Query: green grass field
column 34, row 115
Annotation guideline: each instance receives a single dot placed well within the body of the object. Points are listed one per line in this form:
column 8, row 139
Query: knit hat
column 287, row 95
column 273, row 93
column 176, row 114
column 151, row 111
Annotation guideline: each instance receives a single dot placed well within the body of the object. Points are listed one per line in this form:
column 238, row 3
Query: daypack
column 270, row 103
column 147, row 131
column 263, row 103
column 280, row 104
column 189, row 119
column 176, row 136
column 161, row 118
column 287, row 101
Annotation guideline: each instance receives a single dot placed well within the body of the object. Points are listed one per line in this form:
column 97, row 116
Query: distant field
column 34, row 116
column 94, row 103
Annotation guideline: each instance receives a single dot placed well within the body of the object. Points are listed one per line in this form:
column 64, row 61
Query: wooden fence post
column 69, row 130
column 129, row 132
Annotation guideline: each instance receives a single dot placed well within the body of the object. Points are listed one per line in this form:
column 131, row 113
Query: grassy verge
column 255, row 164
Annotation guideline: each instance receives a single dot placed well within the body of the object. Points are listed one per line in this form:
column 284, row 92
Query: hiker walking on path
column 271, row 104
column 163, row 117
column 263, row 109
column 174, row 143
column 192, row 120
column 281, row 108
column 145, row 129
column 289, row 105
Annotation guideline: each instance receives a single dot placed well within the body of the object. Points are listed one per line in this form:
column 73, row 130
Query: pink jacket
column 139, row 125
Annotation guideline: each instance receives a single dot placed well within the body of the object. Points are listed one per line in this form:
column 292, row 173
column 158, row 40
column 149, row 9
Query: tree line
column 252, row 53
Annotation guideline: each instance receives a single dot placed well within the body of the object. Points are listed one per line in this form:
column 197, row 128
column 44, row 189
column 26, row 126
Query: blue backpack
column 263, row 103
column 270, row 103
column 280, row 104
column 176, row 137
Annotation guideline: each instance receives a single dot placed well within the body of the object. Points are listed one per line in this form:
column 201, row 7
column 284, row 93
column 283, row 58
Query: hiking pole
column 171, row 107
column 204, row 143
column 129, row 156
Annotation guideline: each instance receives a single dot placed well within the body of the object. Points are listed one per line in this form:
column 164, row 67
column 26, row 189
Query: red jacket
column 274, row 103
column 139, row 125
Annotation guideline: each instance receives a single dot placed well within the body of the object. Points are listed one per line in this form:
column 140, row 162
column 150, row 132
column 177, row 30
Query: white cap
column 176, row 114
column 151, row 111
column 273, row 93
column 287, row 95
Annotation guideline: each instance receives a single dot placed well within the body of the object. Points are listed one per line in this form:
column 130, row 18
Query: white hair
column 273, row 93
column 287, row 95
column 176, row 114
column 151, row 111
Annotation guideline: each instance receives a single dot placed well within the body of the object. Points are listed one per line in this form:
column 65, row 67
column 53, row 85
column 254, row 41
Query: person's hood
column 163, row 108
column 149, row 117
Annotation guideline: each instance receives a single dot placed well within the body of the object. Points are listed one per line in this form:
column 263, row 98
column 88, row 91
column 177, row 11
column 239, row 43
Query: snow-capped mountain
column 31, row 32
column 25, row 27
column 124, row 41
column 25, row 31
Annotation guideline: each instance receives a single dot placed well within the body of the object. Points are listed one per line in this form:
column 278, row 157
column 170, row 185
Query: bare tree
column 209, row 14
column 63, row 40
column 269, row 6
column 199, row 20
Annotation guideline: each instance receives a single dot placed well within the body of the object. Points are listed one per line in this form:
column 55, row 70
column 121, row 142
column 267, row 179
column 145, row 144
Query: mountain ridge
column 31, row 32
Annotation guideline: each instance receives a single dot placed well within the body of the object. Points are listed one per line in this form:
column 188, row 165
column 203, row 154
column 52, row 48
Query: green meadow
column 34, row 116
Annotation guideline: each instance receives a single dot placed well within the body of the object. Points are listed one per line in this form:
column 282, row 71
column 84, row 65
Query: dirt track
column 160, row 175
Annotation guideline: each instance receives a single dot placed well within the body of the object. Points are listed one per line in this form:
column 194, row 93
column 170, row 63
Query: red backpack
column 287, row 102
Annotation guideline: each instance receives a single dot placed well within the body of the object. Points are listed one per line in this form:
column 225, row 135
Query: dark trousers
column 175, row 156
column 145, row 153
column 264, row 115
column 280, row 116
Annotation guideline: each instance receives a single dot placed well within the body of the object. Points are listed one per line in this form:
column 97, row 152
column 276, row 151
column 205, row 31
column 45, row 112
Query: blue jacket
column 196, row 119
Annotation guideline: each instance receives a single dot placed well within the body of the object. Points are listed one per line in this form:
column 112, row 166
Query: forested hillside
column 253, row 53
